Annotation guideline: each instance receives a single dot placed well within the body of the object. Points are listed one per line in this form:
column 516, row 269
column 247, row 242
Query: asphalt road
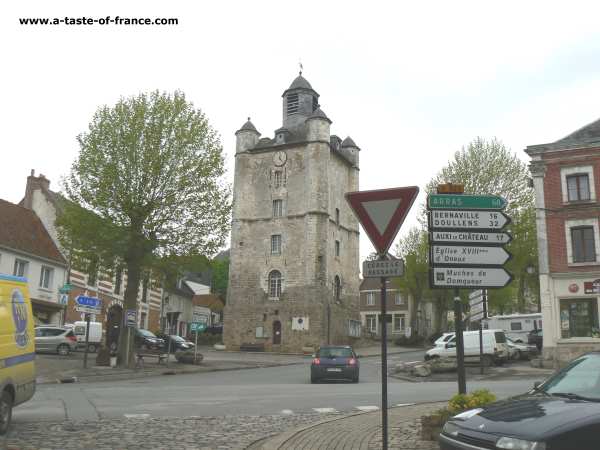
column 274, row 390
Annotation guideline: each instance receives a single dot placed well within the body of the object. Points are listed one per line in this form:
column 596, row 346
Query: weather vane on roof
column 300, row 65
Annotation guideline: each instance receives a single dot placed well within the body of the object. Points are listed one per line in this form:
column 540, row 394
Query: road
column 275, row 390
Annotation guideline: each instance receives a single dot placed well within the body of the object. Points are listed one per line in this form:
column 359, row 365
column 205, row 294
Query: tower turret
column 300, row 100
column 246, row 137
column 350, row 150
column 317, row 126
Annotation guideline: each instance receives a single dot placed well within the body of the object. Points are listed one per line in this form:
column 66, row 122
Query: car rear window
column 500, row 337
column 335, row 353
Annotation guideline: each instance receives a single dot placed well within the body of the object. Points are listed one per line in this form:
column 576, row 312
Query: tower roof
column 348, row 142
column 300, row 83
column 319, row 114
column 248, row 126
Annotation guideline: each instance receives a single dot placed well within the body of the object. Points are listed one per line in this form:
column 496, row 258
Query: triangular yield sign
column 382, row 212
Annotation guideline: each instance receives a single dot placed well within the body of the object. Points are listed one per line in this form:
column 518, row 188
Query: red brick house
column 566, row 178
column 397, row 305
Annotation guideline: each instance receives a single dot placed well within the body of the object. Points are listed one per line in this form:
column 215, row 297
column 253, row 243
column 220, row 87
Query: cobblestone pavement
column 229, row 432
column 360, row 432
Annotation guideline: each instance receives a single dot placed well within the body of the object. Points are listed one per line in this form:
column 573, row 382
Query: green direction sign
column 198, row 326
column 66, row 288
column 450, row 201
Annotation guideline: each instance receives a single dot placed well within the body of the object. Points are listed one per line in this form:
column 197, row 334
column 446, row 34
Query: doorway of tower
column 277, row 332
column 114, row 322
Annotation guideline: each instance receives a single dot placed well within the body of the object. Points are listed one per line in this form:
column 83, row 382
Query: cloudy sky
column 410, row 82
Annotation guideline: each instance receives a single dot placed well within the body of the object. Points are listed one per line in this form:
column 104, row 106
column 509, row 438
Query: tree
column 146, row 186
column 488, row 167
column 220, row 277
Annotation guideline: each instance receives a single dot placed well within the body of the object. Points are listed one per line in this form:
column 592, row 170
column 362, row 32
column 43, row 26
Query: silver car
column 55, row 340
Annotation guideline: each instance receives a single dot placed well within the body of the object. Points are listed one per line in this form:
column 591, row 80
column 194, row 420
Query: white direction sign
column 474, row 296
column 468, row 220
column 466, row 254
column 469, row 277
column 477, row 316
column 470, row 237
column 383, row 268
column 477, row 307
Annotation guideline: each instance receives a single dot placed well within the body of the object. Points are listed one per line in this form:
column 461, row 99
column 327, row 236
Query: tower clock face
column 279, row 158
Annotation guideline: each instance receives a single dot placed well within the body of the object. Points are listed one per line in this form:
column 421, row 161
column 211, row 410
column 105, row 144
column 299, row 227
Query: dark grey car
column 334, row 363
column 55, row 340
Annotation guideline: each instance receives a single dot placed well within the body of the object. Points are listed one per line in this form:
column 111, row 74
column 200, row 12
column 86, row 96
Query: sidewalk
column 360, row 431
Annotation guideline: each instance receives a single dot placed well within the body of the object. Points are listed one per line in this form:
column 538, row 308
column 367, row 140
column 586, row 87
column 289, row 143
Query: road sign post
column 381, row 214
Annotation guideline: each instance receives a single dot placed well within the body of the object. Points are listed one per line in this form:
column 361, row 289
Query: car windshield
column 177, row 338
column 335, row 352
column 146, row 333
column 581, row 378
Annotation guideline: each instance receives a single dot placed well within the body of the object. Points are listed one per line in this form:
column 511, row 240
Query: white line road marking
column 404, row 404
column 137, row 416
column 367, row 408
column 324, row 410
column 287, row 411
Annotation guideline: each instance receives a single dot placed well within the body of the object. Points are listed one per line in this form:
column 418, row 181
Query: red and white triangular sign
column 382, row 212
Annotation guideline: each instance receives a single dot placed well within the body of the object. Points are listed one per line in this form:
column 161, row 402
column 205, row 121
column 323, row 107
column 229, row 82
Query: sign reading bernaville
column 383, row 268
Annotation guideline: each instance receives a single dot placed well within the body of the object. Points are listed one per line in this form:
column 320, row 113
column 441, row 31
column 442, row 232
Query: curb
column 276, row 442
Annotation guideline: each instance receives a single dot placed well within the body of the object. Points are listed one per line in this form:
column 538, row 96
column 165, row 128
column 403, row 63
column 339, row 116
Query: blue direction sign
column 88, row 305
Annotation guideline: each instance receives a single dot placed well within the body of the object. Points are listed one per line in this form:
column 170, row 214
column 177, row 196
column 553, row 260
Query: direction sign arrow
column 469, row 277
column 470, row 237
column 382, row 212
column 474, row 295
column 476, row 316
column 466, row 254
column 441, row 201
column 477, row 307
column 469, row 220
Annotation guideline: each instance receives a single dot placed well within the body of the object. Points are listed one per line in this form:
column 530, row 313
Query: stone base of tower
column 288, row 328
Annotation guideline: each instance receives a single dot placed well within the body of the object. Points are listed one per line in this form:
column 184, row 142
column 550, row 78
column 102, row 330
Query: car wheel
column 314, row 380
column 6, row 404
column 519, row 355
column 355, row 379
column 488, row 361
column 144, row 347
column 63, row 350
column 92, row 348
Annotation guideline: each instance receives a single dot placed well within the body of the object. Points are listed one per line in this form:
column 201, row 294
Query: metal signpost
column 87, row 305
column 131, row 322
column 197, row 327
column 381, row 214
column 466, row 251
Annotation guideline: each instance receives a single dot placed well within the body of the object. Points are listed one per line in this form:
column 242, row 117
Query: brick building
column 293, row 274
column 91, row 281
column 397, row 304
column 566, row 178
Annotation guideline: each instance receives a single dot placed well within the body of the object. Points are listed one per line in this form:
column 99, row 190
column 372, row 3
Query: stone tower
column 294, row 264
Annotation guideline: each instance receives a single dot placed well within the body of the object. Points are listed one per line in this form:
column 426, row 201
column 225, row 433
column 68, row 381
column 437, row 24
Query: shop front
column 46, row 312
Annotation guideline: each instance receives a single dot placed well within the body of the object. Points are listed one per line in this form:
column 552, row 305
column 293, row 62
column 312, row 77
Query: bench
column 139, row 358
column 252, row 347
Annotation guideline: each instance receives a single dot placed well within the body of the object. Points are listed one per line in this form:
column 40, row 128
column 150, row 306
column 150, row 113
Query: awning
column 45, row 304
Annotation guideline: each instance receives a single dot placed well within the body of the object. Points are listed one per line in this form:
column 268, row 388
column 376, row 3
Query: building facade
column 294, row 262
column 27, row 250
column 95, row 282
column 566, row 176
column 397, row 305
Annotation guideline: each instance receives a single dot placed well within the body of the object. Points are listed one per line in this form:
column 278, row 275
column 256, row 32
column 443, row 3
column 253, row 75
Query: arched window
column 337, row 288
column 275, row 284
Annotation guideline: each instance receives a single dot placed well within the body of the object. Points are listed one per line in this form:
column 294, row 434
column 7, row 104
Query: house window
column 337, row 216
column 277, row 178
column 293, row 104
column 516, row 326
column 579, row 318
column 398, row 300
column 276, row 244
column 277, row 208
column 118, row 279
column 145, row 283
column 584, row 247
column 337, row 288
column 143, row 320
column 275, row 284
column 370, row 299
column 337, row 248
column 20, row 269
column 578, row 187
column 46, row 277
column 371, row 322
column 399, row 322
column 315, row 103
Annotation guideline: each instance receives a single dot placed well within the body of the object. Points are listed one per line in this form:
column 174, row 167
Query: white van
column 495, row 348
column 515, row 326
column 95, row 337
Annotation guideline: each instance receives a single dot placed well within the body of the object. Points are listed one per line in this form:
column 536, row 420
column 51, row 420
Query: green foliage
column 476, row 399
column 412, row 341
column 220, row 277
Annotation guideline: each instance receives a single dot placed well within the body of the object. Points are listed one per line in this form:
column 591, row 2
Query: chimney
column 34, row 183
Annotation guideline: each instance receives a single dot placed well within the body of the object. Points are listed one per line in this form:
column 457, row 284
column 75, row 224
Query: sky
column 410, row 82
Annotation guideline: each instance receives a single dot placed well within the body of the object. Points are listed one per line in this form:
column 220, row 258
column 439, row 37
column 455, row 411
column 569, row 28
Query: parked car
column 563, row 413
column 443, row 339
column 175, row 343
column 495, row 349
column 55, row 339
column 521, row 351
column 147, row 340
column 536, row 337
column 334, row 363
column 216, row 328
column 94, row 337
